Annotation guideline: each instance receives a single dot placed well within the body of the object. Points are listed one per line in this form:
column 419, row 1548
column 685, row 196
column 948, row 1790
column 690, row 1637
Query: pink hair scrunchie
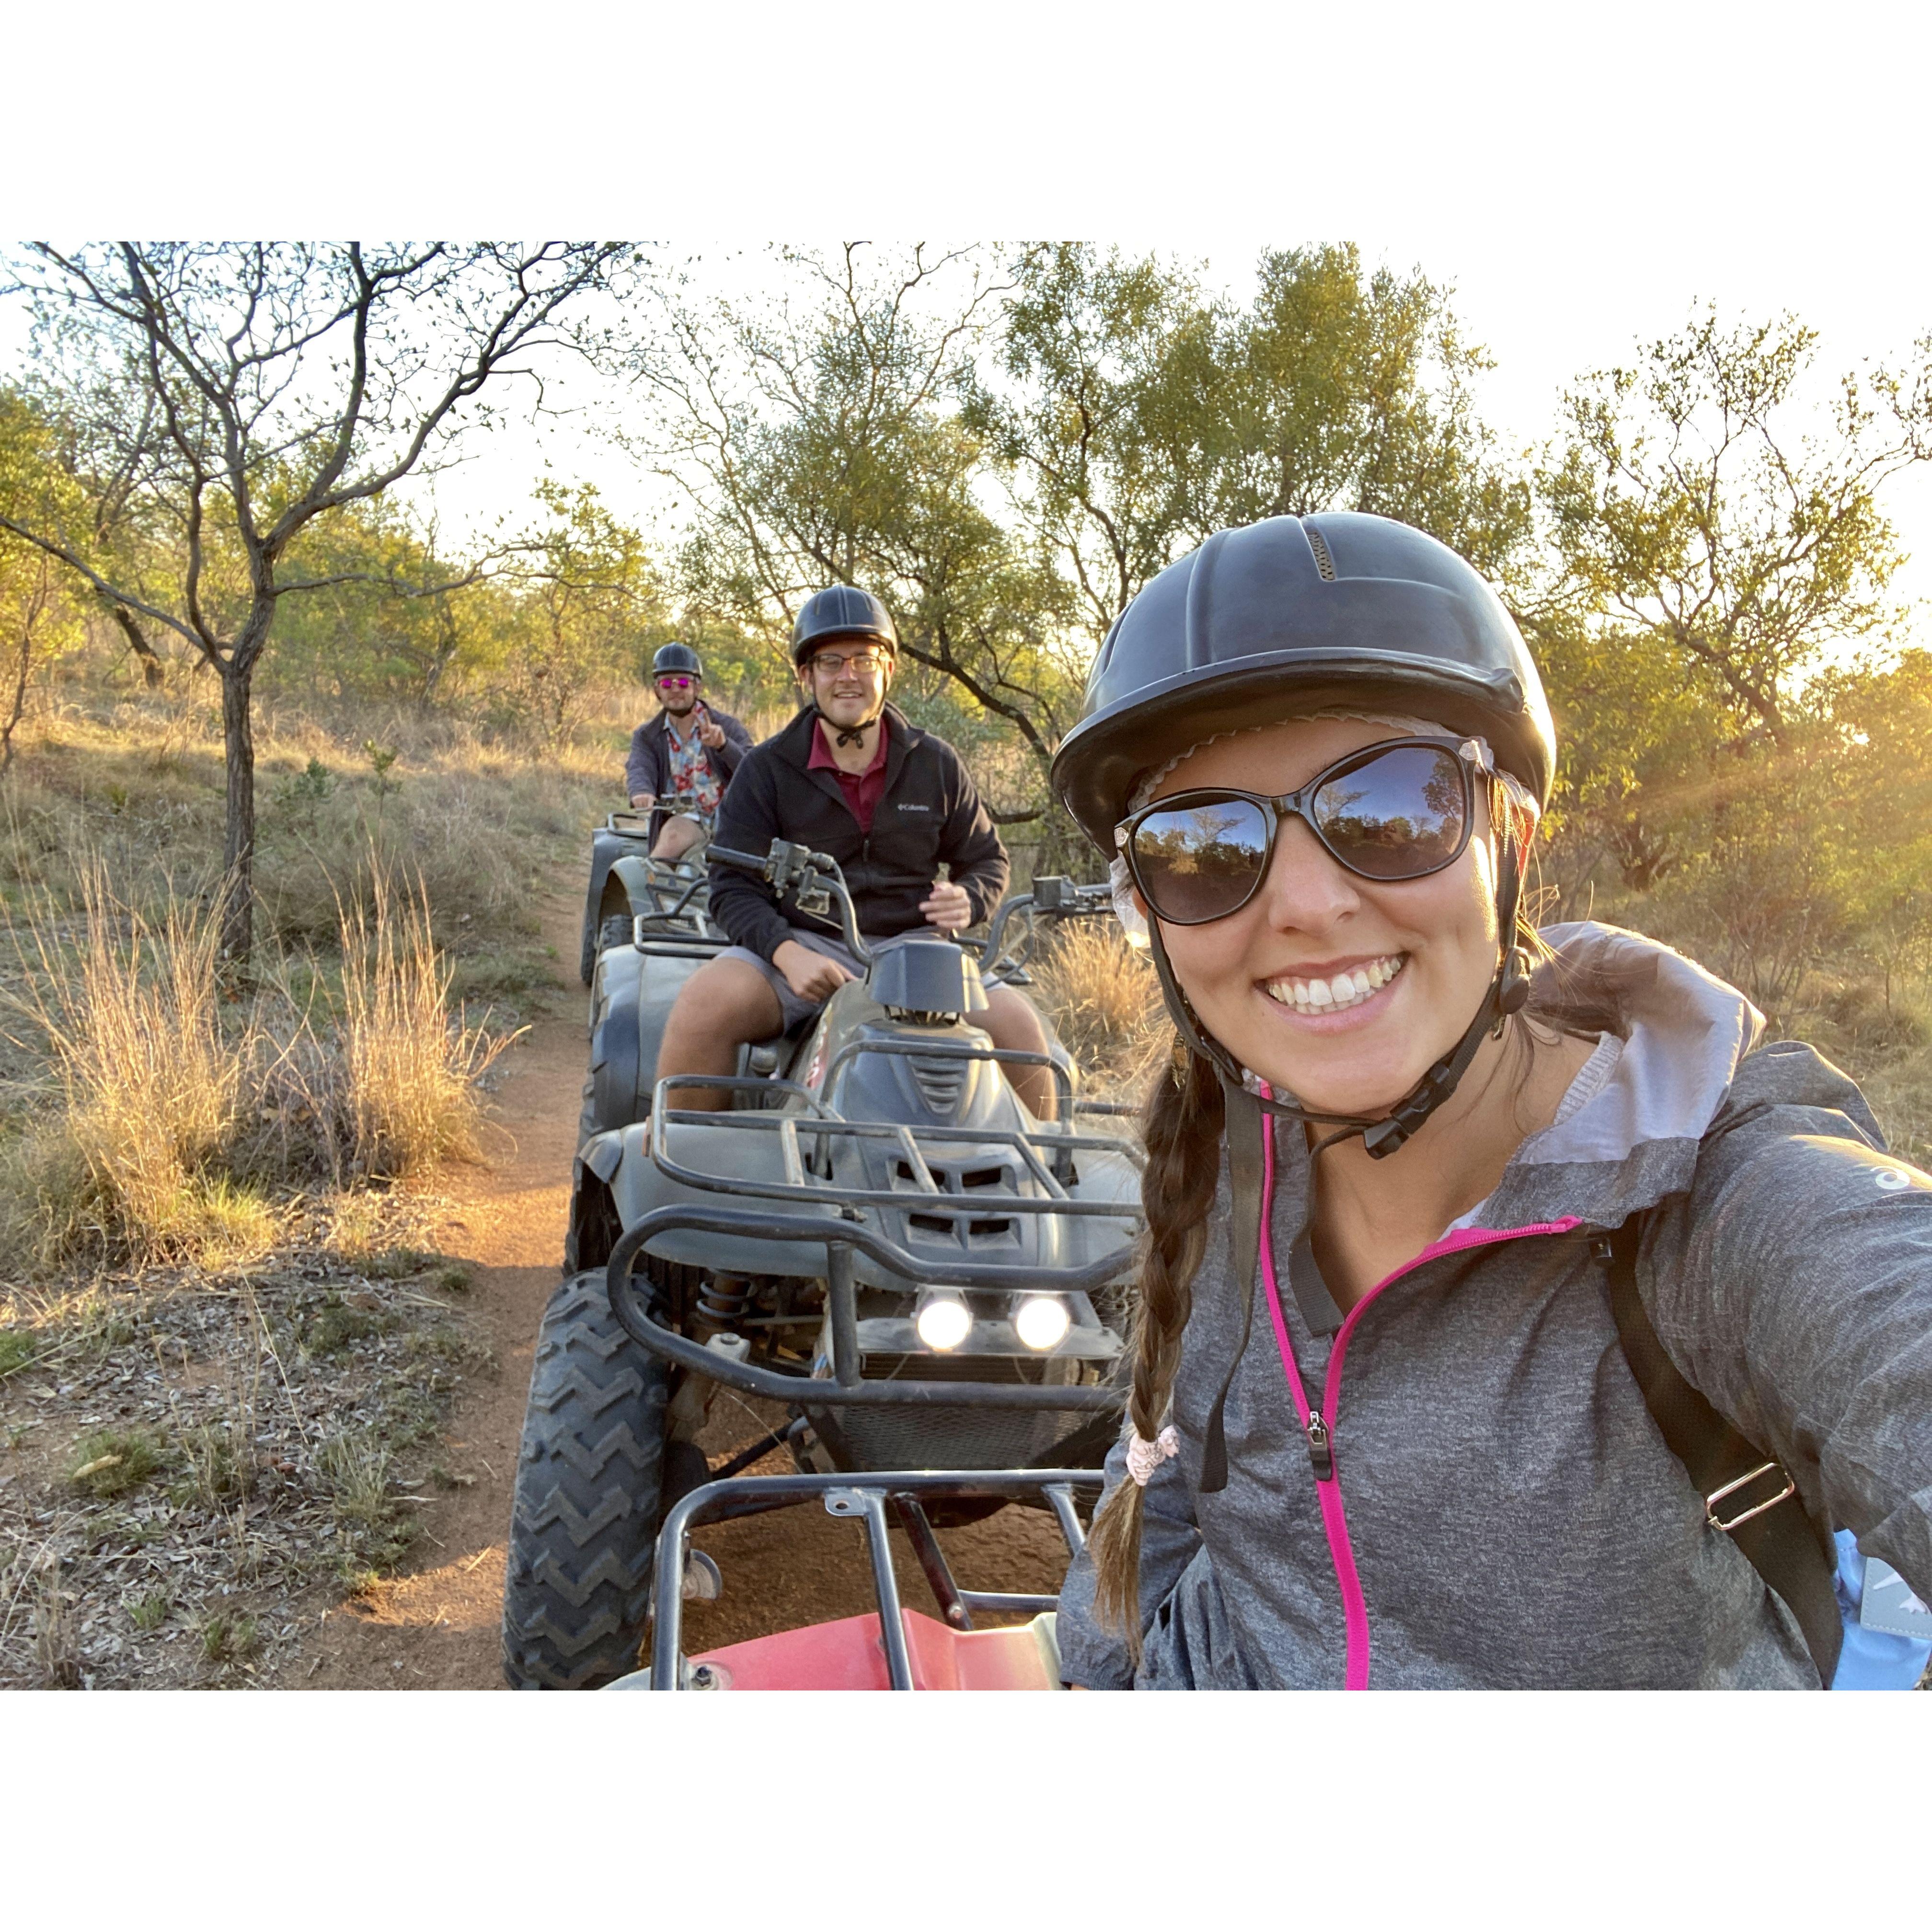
column 1144, row 1457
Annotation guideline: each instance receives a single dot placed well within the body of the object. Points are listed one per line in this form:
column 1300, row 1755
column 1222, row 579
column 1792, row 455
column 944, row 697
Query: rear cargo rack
column 864, row 1498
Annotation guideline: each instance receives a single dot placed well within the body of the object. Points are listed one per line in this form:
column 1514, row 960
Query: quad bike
column 627, row 885
column 898, row 1649
column 876, row 1234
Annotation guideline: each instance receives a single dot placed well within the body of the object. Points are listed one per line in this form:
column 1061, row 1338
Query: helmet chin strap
column 849, row 734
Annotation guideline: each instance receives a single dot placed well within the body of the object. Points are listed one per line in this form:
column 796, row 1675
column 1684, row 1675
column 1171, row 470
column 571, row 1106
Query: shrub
column 111, row 1462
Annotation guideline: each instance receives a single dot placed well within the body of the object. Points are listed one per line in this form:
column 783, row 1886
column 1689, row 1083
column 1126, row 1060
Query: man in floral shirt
column 682, row 760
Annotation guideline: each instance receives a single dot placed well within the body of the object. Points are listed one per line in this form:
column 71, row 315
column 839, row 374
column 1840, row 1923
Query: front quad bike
column 898, row 1649
column 877, row 1234
column 627, row 885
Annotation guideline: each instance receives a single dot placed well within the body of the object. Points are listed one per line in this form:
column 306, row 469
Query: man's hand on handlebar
column 643, row 801
column 949, row 908
column 811, row 975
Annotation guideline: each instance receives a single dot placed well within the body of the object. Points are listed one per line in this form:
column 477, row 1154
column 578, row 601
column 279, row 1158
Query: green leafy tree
column 1691, row 501
column 1136, row 414
column 394, row 618
column 1092, row 407
column 588, row 597
column 40, row 621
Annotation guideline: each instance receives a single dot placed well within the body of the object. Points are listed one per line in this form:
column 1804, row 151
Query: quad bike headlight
column 1041, row 1321
column 942, row 1321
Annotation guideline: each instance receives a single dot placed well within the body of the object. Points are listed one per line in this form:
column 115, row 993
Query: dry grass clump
column 411, row 1075
column 147, row 1081
column 1103, row 997
column 171, row 1097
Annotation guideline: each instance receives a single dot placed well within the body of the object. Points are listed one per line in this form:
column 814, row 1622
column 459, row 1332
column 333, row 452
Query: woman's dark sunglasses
column 1400, row 809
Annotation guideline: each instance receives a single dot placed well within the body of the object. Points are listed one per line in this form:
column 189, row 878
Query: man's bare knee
column 680, row 835
column 723, row 1004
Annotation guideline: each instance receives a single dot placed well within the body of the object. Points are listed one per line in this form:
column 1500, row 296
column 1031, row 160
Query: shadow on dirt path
column 436, row 1625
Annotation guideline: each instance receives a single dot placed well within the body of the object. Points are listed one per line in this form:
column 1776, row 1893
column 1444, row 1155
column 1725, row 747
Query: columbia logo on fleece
column 915, row 808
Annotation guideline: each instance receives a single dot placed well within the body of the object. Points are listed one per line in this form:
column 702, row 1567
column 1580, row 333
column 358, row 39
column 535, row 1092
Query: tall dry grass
column 147, row 1079
column 411, row 1070
column 1104, row 999
column 170, row 1100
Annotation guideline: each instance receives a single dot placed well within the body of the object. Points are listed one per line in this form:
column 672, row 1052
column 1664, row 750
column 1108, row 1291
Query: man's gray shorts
column 794, row 1008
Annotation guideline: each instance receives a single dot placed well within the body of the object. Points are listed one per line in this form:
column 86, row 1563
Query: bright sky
column 1581, row 175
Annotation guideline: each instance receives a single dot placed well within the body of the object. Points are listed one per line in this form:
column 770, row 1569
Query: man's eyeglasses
column 830, row 664
column 676, row 683
column 1401, row 809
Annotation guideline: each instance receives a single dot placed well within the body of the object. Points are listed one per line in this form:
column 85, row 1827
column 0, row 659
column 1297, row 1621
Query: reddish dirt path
column 436, row 1627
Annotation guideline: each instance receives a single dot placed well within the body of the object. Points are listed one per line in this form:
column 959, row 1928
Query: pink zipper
column 1318, row 1424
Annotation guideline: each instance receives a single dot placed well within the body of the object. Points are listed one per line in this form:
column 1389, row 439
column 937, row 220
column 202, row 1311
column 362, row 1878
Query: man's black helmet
column 1295, row 615
column 672, row 658
column 843, row 610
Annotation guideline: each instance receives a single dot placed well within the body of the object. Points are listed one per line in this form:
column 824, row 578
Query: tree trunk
column 151, row 663
column 237, row 741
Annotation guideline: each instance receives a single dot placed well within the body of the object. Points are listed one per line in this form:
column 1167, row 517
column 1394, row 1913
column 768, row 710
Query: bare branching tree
column 239, row 392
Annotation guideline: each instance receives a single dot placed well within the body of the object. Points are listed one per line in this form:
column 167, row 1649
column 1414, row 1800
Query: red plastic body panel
column 848, row 1655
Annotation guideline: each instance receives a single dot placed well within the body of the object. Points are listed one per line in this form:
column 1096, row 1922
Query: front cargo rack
column 1044, row 1155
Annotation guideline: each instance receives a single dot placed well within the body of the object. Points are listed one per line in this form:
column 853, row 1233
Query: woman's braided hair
column 1181, row 1125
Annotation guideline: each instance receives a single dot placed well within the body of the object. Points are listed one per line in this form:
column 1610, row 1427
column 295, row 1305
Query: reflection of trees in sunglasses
column 1399, row 815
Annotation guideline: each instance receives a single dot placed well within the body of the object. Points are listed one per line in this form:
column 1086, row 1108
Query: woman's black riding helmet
column 1289, row 617
column 1292, row 616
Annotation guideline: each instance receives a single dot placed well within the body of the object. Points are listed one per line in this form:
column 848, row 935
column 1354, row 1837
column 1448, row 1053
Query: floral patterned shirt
column 693, row 785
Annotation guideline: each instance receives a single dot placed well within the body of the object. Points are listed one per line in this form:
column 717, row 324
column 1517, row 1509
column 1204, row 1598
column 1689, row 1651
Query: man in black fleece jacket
column 850, row 776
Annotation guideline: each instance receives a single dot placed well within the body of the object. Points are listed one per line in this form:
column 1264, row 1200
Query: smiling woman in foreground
column 1510, row 1316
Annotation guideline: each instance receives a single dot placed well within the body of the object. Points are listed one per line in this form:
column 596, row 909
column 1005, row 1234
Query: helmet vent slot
column 1323, row 561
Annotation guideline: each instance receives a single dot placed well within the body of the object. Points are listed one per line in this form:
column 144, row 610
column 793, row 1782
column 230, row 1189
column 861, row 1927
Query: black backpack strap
column 1748, row 1494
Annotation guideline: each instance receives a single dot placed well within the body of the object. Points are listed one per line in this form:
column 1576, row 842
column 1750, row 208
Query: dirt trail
column 437, row 1626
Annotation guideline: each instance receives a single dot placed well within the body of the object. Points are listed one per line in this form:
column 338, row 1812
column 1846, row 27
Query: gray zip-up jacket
column 1504, row 1511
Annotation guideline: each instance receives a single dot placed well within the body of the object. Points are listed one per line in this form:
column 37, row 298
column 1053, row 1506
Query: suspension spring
column 723, row 1299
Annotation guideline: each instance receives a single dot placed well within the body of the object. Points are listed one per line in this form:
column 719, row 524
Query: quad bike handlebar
column 1053, row 897
column 818, row 884
column 814, row 879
